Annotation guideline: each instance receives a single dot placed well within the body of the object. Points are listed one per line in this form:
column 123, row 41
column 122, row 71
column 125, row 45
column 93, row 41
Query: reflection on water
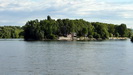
column 18, row 57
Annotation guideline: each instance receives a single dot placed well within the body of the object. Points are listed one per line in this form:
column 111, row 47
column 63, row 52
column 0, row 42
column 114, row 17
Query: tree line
column 11, row 32
column 52, row 29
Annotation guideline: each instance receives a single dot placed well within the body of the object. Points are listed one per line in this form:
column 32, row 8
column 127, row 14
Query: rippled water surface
column 111, row 57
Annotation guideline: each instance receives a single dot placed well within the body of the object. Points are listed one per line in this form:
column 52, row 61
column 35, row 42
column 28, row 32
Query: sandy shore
column 86, row 38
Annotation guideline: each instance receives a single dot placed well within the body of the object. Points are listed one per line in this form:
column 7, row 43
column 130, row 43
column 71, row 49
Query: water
column 111, row 57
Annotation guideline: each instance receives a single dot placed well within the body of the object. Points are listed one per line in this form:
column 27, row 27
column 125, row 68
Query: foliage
column 132, row 39
column 11, row 32
column 52, row 29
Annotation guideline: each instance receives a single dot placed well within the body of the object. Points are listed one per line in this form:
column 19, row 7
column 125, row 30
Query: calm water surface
column 111, row 57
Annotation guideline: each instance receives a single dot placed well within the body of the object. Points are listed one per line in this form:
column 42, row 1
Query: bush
column 51, row 36
column 132, row 39
column 96, row 35
column 90, row 36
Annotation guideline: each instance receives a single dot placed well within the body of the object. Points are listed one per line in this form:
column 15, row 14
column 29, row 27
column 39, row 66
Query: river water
column 110, row 57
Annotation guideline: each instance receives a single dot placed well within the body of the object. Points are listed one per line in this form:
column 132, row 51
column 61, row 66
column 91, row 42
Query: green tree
column 122, row 30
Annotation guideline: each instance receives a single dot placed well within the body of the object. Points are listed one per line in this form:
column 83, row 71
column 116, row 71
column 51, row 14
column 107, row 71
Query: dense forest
column 11, row 32
column 52, row 29
column 132, row 38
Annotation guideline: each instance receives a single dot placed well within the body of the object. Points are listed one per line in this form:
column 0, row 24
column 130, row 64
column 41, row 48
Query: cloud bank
column 17, row 12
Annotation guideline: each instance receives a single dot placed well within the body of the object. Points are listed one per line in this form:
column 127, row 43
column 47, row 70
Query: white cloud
column 65, row 5
column 128, row 14
column 67, row 9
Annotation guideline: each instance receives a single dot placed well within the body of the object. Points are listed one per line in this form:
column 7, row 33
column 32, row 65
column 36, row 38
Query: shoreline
column 90, row 39
column 119, row 38
column 74, row 39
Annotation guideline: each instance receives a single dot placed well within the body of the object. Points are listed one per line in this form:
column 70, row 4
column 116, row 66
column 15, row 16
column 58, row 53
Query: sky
column 18, row 12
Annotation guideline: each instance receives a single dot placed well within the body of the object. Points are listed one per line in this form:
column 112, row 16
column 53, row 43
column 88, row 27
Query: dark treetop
column 52, row 29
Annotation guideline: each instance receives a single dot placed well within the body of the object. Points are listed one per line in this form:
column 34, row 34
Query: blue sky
column 18, row 12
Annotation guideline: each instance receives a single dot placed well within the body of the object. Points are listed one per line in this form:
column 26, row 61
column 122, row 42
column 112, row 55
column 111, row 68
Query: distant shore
column 73, row 39
column 90, row 39
column 120, row 38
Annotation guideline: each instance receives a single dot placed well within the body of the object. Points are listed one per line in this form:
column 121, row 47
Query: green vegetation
column 52, row 29
column 11, row 32
column 132, row 38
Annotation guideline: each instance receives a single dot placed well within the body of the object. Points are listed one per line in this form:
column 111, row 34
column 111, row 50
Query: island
column 66, row 29
column 77, row 29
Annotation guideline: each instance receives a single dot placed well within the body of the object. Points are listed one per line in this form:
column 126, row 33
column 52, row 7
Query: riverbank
column 119, row 38
column 90, row 39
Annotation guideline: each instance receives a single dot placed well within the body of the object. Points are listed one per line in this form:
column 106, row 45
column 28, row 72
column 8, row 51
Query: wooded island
column 51, row 29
